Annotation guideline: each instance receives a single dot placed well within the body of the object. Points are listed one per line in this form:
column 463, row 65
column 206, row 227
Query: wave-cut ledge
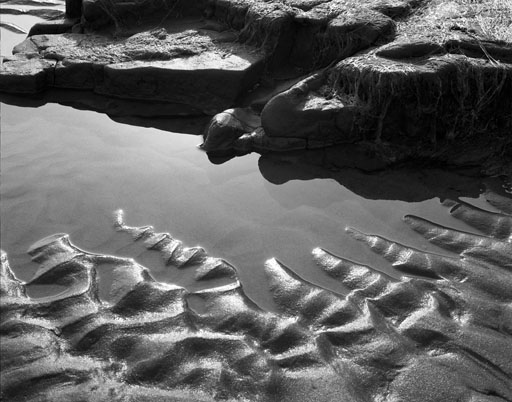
column 442, row 332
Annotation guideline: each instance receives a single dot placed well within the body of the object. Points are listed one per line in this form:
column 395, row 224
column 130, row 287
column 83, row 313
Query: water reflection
column 66, row 170
column 279, row 168
column 401, row 183
column 125, row 111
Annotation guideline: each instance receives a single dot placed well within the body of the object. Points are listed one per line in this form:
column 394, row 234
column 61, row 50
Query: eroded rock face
column 302, row 111
column 206, row 67
column 393, row 81
column 434, row 107
column 441, row 332
column 302, row 117
column 157, row 66
column 306, row 33
column 29, row 76
column 406, row 101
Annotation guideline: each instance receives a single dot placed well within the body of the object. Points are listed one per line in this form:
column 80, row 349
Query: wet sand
column 66, row 170
column 440, row 332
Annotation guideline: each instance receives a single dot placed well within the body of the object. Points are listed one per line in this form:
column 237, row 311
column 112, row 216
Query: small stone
column 226, row 127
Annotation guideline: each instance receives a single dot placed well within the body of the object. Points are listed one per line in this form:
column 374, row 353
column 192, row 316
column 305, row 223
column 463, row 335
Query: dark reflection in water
column 401, row 183
column 67, row 170
column 278, row 168
column 405, row 183
column 125, row 111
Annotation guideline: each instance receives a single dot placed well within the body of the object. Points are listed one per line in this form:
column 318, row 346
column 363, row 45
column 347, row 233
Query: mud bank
column 390, row 81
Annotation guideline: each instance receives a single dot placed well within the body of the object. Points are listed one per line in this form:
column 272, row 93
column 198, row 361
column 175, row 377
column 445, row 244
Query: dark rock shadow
column 352, row 168
column 132, row 112
column 404, row 183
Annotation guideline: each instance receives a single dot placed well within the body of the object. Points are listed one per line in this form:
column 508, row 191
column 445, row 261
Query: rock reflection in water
column 443, row 333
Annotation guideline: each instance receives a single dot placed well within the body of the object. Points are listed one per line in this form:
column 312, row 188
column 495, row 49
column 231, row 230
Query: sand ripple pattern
column 442, row 332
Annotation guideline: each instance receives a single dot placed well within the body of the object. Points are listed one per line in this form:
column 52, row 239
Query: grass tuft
column 440, row 19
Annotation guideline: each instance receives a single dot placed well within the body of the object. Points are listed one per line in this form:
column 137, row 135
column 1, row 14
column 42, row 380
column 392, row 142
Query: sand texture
column 441, row 332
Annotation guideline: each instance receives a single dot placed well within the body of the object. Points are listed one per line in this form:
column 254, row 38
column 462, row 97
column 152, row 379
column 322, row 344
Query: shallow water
column 67, row 170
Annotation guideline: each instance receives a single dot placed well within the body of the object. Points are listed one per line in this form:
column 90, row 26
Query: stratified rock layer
column 205, row 64
column 441, row 332
column 155, row 66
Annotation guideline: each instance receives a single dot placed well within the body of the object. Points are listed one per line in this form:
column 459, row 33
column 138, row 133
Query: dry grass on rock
column 149, row 46
column 441, row 19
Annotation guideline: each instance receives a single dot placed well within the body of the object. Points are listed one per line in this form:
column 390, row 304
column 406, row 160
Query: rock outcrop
column 443, row 95
column 406, row 80
column 206, row 63
column 151, row 66
column 443, row 106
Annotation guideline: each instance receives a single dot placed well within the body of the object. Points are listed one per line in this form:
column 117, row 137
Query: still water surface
column 67, row 170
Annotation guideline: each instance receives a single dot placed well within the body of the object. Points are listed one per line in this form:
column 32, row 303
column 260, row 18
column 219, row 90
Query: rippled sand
column 440, row 332
column 66, row 170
